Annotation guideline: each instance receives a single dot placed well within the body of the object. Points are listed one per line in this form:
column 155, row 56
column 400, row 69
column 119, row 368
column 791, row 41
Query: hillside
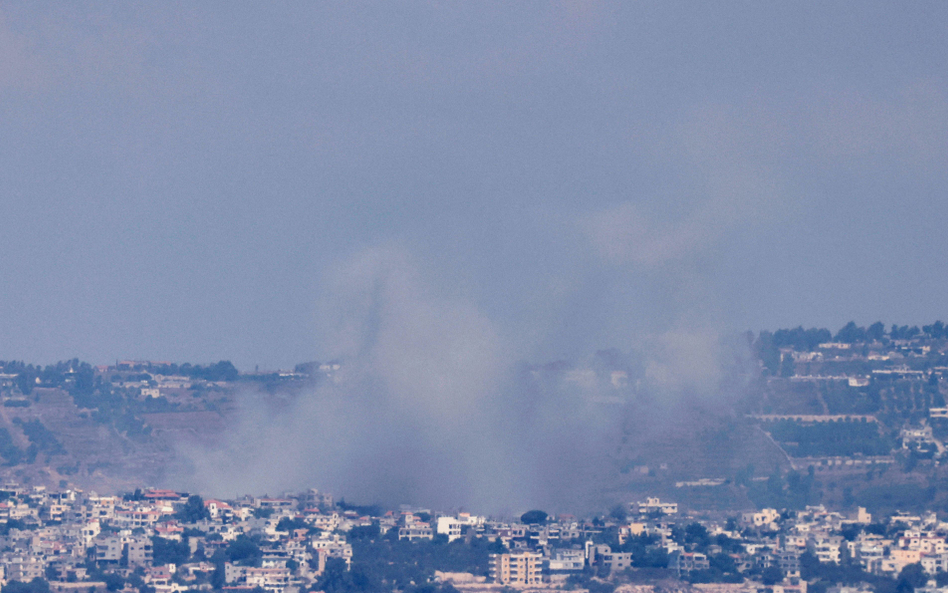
column 856, row 418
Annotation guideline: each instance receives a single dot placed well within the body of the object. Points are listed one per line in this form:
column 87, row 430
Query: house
column 109, row 549
column 416, row 531
column 765, row 518
column 567, row 560
column 825, row 547
column 654, row 505
column 449, row 526
column 688, row 561
column 616, row 561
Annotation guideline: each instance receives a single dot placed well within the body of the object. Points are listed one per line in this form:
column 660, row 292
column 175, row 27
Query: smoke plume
column 430, row 406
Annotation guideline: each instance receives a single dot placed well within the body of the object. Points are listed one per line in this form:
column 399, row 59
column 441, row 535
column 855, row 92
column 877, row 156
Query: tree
column 37, row 585
column 113, row 581
column 368, row 532
column 244, row 551
column 287, row 524
column 533, row 517
column 809, row 566
column 913, row 575
column 696, row 533
column 193, row 510
column 936, row 330
column 768, row 352
column 218, row 577
column 771, row 575
column 335, row 578
column 787, row 368
column 851, row 333
column 25, row 382
column 167, row 551
column 263, row 512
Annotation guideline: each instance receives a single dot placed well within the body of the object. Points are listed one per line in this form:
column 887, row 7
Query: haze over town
column 432, row 297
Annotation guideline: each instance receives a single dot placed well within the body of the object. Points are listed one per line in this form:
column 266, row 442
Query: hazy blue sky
column 184, row 181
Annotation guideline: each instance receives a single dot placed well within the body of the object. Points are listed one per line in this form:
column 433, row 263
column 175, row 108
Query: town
column 162, row 541
column 823, row 470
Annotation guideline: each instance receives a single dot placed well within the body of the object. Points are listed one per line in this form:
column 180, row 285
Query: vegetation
column 168, row 551
column 42, row 440
column 847, row 572
column 37, row 585
column 244, row 551
column 646, row 551
column 795, row 491
column 220, row 371
column 12, row 454
column 533, row 517
column 193, row 510
column 384, row 563
column 842, row 438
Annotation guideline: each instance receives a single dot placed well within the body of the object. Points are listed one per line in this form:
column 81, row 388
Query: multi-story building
column 567, row 559
column 25, row 569
column 108, row 549
column 654, row 505
column 617, row 560
column 688, row 561
column 788, row 561
column 416, row 531
column 825, row 547
column 449, row 526
column 140, row 551
column 516, row 569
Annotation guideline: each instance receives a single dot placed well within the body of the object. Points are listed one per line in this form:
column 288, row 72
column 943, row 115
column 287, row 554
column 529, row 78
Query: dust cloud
column 431, row 406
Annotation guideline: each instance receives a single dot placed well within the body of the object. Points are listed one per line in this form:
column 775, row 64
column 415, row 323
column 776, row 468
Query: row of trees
column 767, row 344
column 79, row 376
column 835, row 439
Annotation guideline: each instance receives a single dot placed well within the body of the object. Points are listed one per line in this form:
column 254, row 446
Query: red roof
column 162, row 494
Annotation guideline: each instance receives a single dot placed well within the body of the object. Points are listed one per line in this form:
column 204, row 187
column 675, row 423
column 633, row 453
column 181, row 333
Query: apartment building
column 516, row 569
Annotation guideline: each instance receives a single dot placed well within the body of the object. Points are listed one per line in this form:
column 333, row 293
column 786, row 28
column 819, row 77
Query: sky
column 190, row 181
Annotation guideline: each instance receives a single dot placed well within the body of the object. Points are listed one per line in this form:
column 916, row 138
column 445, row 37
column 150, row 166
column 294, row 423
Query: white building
column 450, row 527
column 654, row 505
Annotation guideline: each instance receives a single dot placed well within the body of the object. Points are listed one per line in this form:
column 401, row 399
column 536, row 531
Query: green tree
column 771, row 575
column 913, row 575
column 37, row 585
column 768, row 352
column 245, row 551
column 193, row 510
column 533, row 517
column 113, row 581
column 168, row 551
column 851, row 333
column 287, row 524
column 25, row 382
column 263, row 512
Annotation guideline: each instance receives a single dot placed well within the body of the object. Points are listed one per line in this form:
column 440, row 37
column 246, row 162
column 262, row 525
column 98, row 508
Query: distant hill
column 856, row 417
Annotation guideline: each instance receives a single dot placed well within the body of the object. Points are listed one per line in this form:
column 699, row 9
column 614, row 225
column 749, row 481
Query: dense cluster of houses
column 858, row 364
column 77, row 541
column 69, row 537
column 759, row 540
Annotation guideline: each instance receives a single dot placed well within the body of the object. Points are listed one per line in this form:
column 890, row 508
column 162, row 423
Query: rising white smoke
column 407, row 418
column 431, row 407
